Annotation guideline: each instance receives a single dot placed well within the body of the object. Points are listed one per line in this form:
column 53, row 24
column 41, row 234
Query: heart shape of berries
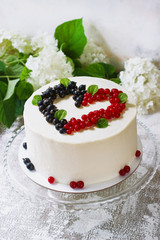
column 83, row 97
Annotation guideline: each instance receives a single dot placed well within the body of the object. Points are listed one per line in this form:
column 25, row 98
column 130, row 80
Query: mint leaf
column 71, row 38
column 92, row 89
column 116, row 80
column 102, row 123
column 36, row 99
column 24, row 90
column 60, row 114
column 123, row 97
column 25, row 73
column 65, row 81
column 3, row 90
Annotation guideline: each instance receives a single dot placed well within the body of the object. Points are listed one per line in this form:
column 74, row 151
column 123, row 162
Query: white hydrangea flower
column 142, row 78
column 51, row 64
column 93, row 53
column 20, row 42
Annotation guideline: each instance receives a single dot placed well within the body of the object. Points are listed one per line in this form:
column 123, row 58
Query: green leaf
column 25, row 73
column 71, row 62
column 95, row 70
column 24, row 90
column 23, row 57
column 11, row 88
column 11, row 58
column 15, row 70
column 71, row 38
column 80, row 72
column 102, row 123
column 77, row 63
column 65, row 81
column 8, row 105
column 2, row 67
column 36, row 99
column 7, row 111
column 109, row 69
column 60, row 114
column 116, row 80
column 3, row 90
column 123, row 97
column 92, row 89
column 19, row 107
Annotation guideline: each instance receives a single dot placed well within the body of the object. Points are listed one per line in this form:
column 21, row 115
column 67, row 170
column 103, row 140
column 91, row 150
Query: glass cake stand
column 76, row 201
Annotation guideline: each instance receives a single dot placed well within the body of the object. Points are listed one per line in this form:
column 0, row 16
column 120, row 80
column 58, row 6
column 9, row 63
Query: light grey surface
column 136, row 217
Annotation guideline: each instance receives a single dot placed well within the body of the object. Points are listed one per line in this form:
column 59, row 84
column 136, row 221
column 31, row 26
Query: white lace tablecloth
column 136, row 217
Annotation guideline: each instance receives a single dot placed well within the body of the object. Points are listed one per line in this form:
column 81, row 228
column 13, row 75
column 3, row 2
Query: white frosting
column 93, row 155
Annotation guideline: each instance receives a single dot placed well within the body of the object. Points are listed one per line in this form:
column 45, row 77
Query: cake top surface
column 35, row 120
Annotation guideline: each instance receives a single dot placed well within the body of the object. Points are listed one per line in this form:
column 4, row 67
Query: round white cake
column 92, row 155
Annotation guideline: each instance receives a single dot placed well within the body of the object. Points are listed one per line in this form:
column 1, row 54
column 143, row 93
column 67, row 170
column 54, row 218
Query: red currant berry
column 82, row 125
column 98, row 97
column 90, row 100
column 51, row 179
column 127, row 169
column 116, row 100
column 84, row 117
column 68, row 131
column 90, row 115
column 138, row 153
column 101, row 91
column 107, row 91
column 80, row 184
column 122, row 172
column 94, row 120
column 76, row 127
column 88, row 124
column 114, row 90
column 117, row 115
column 73, row 120
column 73, row 184
column 66, row 126
column 84, row 103
column 71, row 128
column 112, row 100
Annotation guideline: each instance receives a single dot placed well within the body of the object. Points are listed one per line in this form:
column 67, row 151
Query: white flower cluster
column 142, row 78
column 93, row 53
column 51, row 64
column 20, row 42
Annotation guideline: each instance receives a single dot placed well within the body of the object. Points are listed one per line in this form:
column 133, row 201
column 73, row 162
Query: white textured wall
column 127, row 27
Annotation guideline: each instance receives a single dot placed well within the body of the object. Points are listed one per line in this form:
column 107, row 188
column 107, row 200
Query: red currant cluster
column 125, row 170
column 86, row 121
column 79, row 184
column 101, row 95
